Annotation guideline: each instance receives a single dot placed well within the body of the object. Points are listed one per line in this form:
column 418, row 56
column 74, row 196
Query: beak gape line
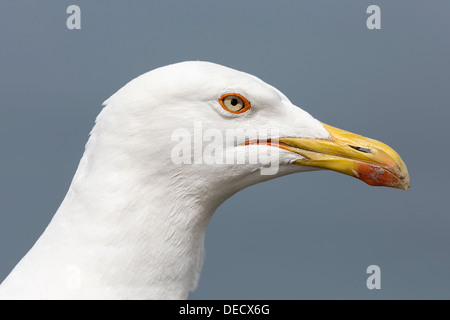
column 369, row 160
column 366, row 159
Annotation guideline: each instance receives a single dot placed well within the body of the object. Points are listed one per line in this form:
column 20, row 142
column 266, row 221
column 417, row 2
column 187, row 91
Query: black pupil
column 234, row 102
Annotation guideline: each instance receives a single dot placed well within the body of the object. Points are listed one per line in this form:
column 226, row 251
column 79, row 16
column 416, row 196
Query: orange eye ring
column 234, row 103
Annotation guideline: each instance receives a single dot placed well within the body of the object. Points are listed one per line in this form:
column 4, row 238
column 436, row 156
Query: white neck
column 121, row 232
column 133, row 223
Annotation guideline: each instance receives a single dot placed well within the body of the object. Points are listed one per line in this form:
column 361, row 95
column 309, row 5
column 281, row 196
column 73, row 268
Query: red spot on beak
column 375, row 175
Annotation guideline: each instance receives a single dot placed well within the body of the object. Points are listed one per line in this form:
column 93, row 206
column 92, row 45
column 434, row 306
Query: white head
column 166, row 150
column 175, row 121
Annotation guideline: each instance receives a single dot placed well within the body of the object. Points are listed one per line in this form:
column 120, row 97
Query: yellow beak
column 366, row 159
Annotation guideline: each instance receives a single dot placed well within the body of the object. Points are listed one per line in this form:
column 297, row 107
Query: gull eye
column 234, row 103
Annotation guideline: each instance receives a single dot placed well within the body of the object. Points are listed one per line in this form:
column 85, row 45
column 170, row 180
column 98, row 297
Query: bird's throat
column 126, row 238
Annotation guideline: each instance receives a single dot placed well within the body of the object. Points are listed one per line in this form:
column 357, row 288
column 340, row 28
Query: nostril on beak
column 360, row 149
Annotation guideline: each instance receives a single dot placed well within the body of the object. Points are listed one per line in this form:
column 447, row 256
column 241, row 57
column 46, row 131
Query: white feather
column 133, row 223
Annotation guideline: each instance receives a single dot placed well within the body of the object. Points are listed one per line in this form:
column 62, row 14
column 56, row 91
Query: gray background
column 308, row 235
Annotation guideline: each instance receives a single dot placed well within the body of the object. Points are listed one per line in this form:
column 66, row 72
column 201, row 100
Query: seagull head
column 166, row 150
column 203, row 121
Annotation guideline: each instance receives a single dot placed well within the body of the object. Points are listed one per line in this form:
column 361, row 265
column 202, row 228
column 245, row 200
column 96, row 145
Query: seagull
column 132, row 224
